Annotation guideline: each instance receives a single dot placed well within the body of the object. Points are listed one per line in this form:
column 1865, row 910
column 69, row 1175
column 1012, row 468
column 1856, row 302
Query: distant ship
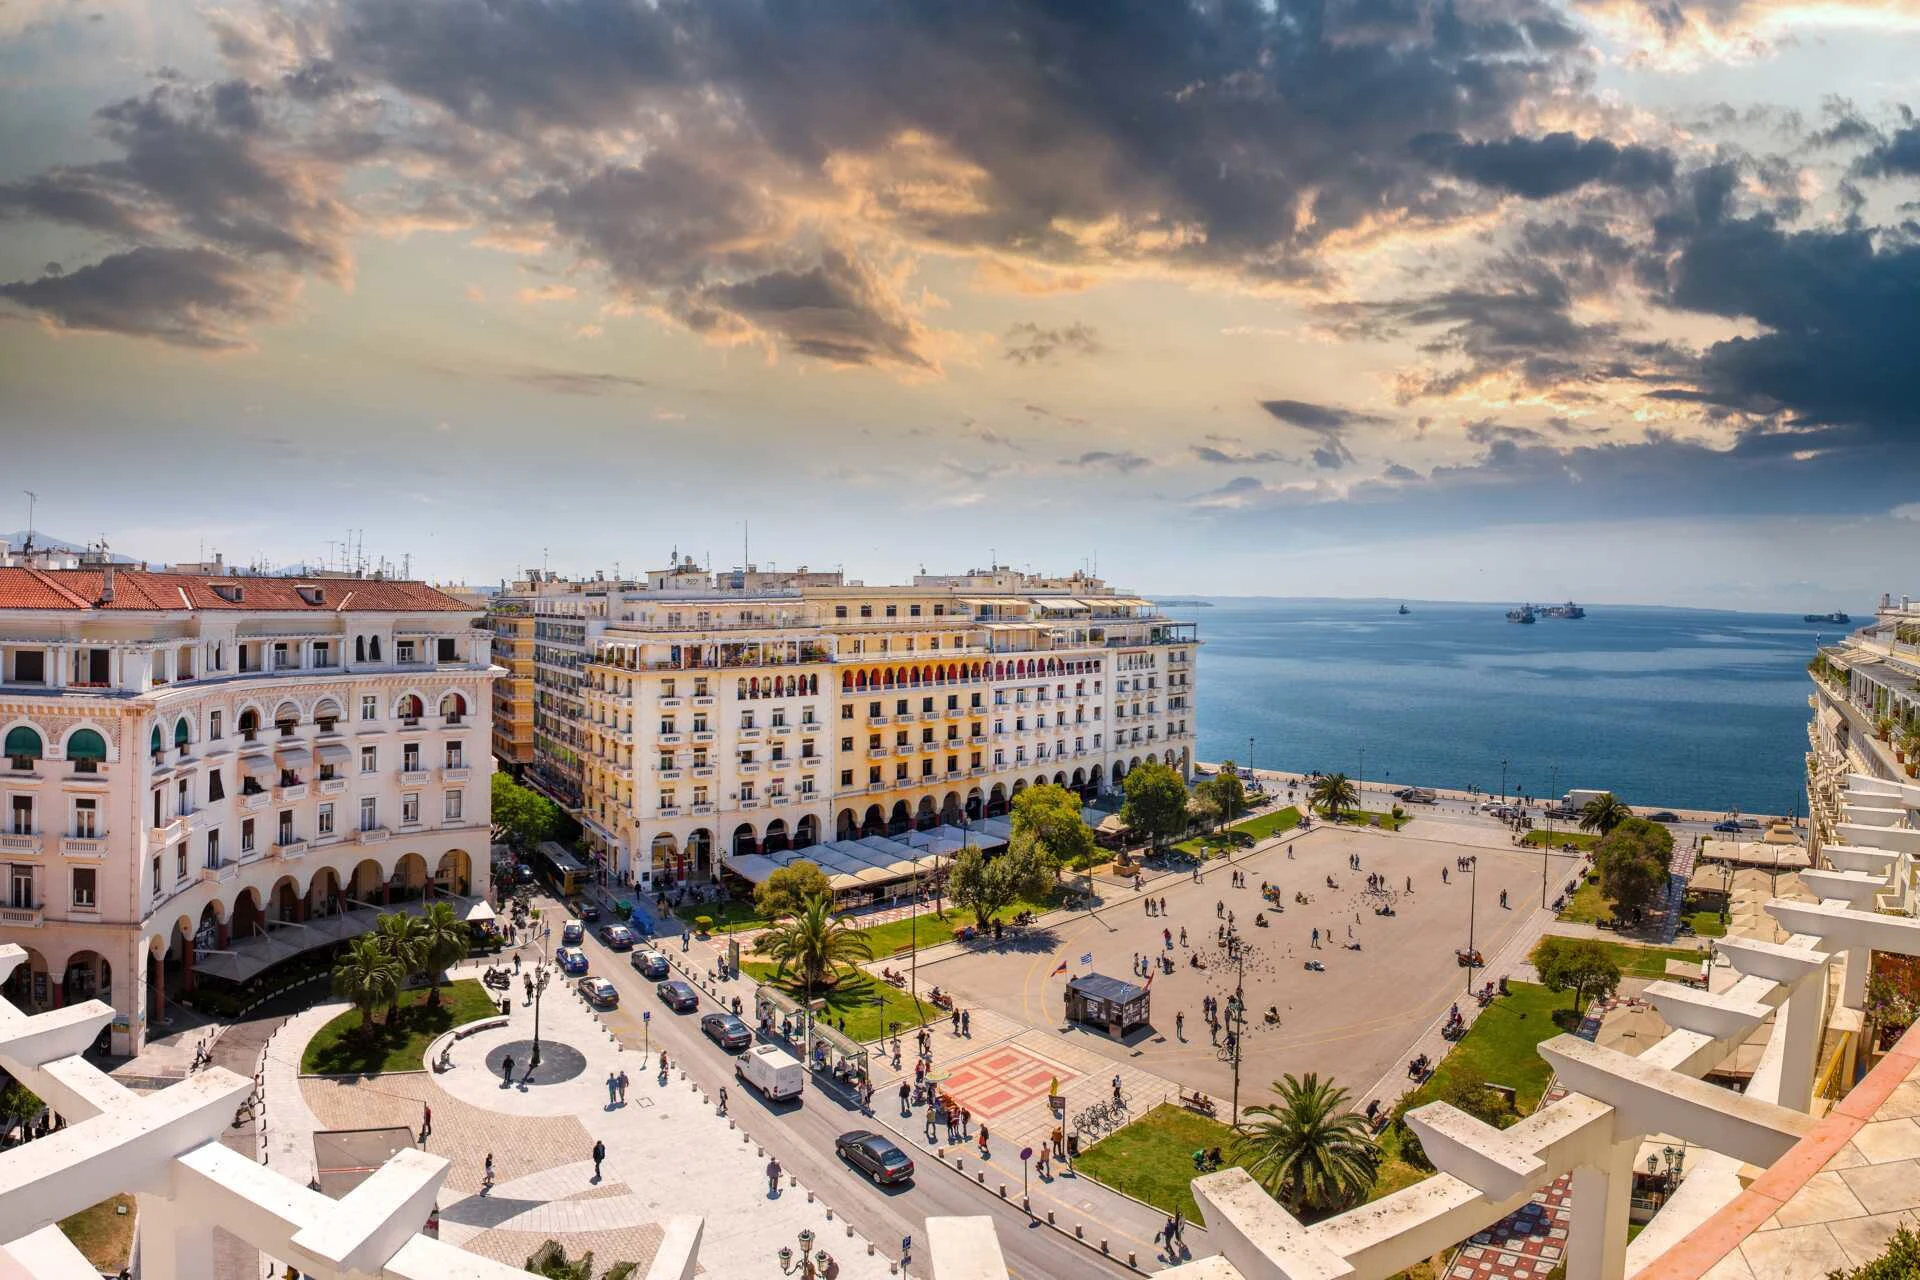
column 1836, row 616
column 1567, row 610
column 1404, row 609
column 1523, row 614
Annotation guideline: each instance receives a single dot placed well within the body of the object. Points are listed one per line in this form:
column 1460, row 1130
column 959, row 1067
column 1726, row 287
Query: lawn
column 1589, row 905
column 738, row 913
column 1151, row 1159
column 339, row 1049
column 1649, row 962
column 1706, row 924
column 103, row 1233
column 931, row 930
column 1365, row 817
column 1265, row 826
column 863, row 1003
column 1555, row 839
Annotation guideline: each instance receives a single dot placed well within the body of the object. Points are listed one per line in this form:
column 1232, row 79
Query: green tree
column 19, row 1105
column 789, row 888
column 1584, row 966
column 1901, row 1261
column 1632, row 861
column 988, row 885
column 550, row 1261
column 522, row 816
column 367, row 976
column 1156, row 802
column 1333, row 794
column 443, row 939
column 1309, row 1150
column 1603, row 813
column 1051, row 814
column 400, row 936
column 1223, row 795
column 811, row 942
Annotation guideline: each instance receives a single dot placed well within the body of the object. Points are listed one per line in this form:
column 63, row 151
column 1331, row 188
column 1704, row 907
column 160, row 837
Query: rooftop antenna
column 406, row 565
column 746, row 546
column 32, row 498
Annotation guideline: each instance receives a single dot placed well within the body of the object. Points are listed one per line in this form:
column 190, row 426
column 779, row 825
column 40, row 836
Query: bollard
column 980, row 1176
column 809, row 1197
column 1133, row 1263
column 869, row 1245
column 1049, row 1217
column 1079, row 1232
column 1026, row 1206
column 1003, row 1191
column 849, row 1231
column 1103, row 1244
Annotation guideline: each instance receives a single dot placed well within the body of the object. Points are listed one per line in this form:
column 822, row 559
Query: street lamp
column 808, row 1265
column 1473, row 897
column 539, row 990
column 1503, row 782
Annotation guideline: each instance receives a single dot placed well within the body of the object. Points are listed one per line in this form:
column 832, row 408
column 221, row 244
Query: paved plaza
column 1353, row 1022
column 669, row 1150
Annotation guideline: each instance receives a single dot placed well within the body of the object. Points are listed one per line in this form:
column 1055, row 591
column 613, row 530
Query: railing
column 84, row 846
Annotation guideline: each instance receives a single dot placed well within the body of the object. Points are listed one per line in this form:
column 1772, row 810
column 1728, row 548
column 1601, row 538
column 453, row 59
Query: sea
column 1667, row 708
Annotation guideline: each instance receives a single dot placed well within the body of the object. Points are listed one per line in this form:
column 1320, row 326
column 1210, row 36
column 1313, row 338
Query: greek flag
column 1087, row 958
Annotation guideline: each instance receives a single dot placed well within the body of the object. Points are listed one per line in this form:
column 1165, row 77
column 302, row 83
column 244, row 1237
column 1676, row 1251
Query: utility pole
column 1237, row 1023
column 1553, row 787
column 1473, row 898
column 32, row 499
column 1503, row 782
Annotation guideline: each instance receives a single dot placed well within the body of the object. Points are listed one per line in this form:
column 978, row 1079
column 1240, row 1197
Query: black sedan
column 874, row 1156
column 1665, row 815
column 726, row 1030
column 680, row 996
column 1726, row 826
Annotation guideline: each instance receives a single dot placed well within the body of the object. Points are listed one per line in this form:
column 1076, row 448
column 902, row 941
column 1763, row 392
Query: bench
column 474, row 1028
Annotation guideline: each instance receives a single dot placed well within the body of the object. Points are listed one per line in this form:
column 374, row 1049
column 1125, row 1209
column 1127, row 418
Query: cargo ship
column 1524, row 614
column 1836, row 617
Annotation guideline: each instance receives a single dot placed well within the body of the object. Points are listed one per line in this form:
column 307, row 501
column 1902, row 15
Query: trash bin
column 506, row 1006
column 1073, row 1146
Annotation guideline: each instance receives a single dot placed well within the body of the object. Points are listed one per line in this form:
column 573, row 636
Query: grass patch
column 1365, row 817
column 103, row 1233
column 736, row 913
column 1706, row 924
column 339, row 1048
column 1588, row 905
column 931, row 930
column 1242, row 834
column 1151, row 1159
column 1555, row 839
column 862, row 1002
column 1636, row 961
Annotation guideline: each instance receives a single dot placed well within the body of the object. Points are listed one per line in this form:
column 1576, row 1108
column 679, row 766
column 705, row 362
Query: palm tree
column 1309, row 1150
column 399, row 936
column 1333, row 794
column 443, row 938
column 1603, row 813
column 811, row 942
column 367, row 975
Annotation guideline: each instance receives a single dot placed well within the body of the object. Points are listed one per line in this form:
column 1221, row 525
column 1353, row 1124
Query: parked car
column 726, row 1030
column 617, row 937
column 1726, row 826
column 679, row 996
column 589, row 912
column 572, row 933
column 651, row 964
column 600, row 993
column 1665, row 815
column 1747, row 824
column 573, row 961
column 874, row 1156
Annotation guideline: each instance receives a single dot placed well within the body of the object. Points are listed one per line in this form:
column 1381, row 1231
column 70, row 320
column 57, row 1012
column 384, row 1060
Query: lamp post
column 539, row 990
column 1473, row 898
column 808, row 1265
column 1553, row 788
column 1503, row 782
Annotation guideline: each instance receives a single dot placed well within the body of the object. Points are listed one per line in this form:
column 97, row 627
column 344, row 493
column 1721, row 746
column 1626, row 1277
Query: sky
column 1489, row 299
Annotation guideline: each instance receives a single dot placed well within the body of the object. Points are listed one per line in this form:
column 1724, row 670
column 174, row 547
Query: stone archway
column 455, row 872
column 409, row 878
column 248, row 916
column 367, row 884
column 976, row 805
column 806, row 832
column 700, row 853
column 847, row 826
column 285, row 901
column 324, row 897
column 745, row 840
column 29, row 987
column 900, row 819
column 776, row 838
column 925, row 816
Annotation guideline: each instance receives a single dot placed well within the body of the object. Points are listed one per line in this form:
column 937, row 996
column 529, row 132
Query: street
column 801, row 1138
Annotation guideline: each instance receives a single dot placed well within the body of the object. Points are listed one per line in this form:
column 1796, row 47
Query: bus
column 565, row 874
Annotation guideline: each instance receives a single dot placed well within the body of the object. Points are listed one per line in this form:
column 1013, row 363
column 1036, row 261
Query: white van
column 777, row 1075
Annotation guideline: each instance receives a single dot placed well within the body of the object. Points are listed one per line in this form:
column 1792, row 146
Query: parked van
column 777, row 1075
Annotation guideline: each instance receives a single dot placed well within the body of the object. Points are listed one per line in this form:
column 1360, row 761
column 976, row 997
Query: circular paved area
column 558, row 1062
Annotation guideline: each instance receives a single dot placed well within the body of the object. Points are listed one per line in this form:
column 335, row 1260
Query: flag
column 1087, row 958
column 1057, row 972
column 1149, row 985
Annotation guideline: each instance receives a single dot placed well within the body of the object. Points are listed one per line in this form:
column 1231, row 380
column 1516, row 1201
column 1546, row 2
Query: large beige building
column 743, row 713
column 205, row 775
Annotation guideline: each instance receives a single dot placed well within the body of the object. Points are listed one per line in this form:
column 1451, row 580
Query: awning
column 334, row 753
column 290, row 754
column 257, row 765
column 753, row 867
column 480, row 912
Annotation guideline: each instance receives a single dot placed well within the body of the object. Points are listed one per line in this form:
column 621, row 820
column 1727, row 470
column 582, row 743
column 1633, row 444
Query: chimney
column 106, row 584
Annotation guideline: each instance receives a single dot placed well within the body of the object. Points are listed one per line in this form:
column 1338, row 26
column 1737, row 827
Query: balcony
column 671, row 703
column 750, row 766
column 779, row 800
column 977, row 739
column 84, row 846
column 751, row 731
column 20, row 844
column 669, row 739
column 877, row 720
column 222, row 872
column 253, row 802
column 331, row 786
column 703, row 810
column 703, row 735
column 455, row 773
column 703, row 700
column 667, row 775
column 21, row 917
column 371, row 835
column 749, row 804
column 297, row 791
column 289, row 848
column 702, row 771
column 779, row 766
column 414, row 777
column 669, row 811
column 780, row 729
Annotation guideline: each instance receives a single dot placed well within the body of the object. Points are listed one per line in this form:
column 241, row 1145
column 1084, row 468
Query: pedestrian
column 1180, row 1025
column 1316, row 937
column 984, row 1153
column 426, row 1123
column 623, row 1088
column 773, row 1179
column 1116, row 1086
column 486, row 1177
column 1213, row 1033
column 613, row 1089
column 966, row 1023
column 966, row 1119
column 529, row 981
column 723, row 1099
column 956, row 1022
column 1178, row 1235
column 506, row 1071
column 1163, row 906
column 932, row 1113
column 906, row 1091
column 516, row 959
column 599, row 1154
column 1183, row 936
column 1166, row 936
column 1219, row 909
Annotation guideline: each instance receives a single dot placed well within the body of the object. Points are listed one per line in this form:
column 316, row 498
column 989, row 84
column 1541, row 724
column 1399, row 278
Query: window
column 666, row 799
column 926, row 768
column 322, row 654
column 455, row 755
column 323, row 822
column 246, row 835
column 180, row 861
column 779, row 752
column 666, row 688
column 455, row 802
column 183, row 802
column 326, row 772
column 369, row 813
column 806, row 748
column 900, row 707
column 839, row 611
column 373, row 648
column 22, row 816
column 976, row 760
column 846, row 711
column 746, row 791
column 913, row 610
column 780, row 718
column 286, row 826
column 699, row 796
column 449, row 649
column 746, row 719
column 85, row 819
column 900, row 771
column 30, row 666
column 216, row 789
column 866, row 611
column 359, row 648
column 213, row 724
column 806, row 786
column 410, row 757
column 746, row 757
column 873, row 775
column 83, row 887
column 213, row 847
column 893, row 611
column 369, row 759
column 846, row 744
column 666, row 725
column 403, row 651
column 700, row 724
column 370, row 707
column 666, row 762
column 410, row 809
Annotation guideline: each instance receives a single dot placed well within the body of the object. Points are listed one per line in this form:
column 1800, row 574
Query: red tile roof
column 138, row 590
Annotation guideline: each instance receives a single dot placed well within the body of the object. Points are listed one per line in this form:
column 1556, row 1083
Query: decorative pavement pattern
column 1532, row 1240
column 1003, row 1078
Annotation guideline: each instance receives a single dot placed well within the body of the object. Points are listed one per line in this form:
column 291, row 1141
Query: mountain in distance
column 41, row 539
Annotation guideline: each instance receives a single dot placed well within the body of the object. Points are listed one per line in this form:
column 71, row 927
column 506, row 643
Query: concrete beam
column 1258, row 1236
column 361, row 1231
column 1899, row 839
column 1691, row 1009
column 129, row 1148
column 1855, row 888
column 12, row 956
column 77, row 1089
column 1854, row 857
column 1869, row 815
column 47, row 1254
column 1849, row 926
column 679, row 1250
column 1474, row 1151
column 965, row 1249
column 1648, row 1099
column 59, row 1033
column 1774, row 961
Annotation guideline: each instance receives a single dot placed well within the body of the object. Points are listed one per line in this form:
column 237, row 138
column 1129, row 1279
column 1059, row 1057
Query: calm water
column 1689, row 708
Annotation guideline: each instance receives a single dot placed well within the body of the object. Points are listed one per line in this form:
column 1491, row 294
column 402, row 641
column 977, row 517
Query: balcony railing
column 288, row 849
column 84, row 846
column 21, row 917
column 20, row 843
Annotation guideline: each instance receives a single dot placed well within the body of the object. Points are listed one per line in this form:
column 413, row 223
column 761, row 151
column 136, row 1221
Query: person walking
column 984, row 1153
column 426, row 1123
column 506, row 1071
column 486, row 1176
column 599, row 1154
column 1180, row 1025
column 516, row 962
column 966, row 1120
column 966, row 1023
column 906, row 1091
column 773, row 1179
column 623, row 1088
column 1163, row 906
column 932, row 1134
column 1178, row 1235
column 723, row 1099
column 1116, row 1088
column 613, row 1089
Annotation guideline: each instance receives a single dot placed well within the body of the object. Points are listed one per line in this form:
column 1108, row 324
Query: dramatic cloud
column 1325, row 421
column 1549, row 166
column 1226, row 455
column 1108, row 460
column 575, row 383
column 187, row 297
column 1028, row 343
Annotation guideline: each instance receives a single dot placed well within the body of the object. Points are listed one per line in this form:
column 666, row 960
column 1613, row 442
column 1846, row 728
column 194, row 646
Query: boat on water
column 1567, row 610
column 1835, row 617
column 1524, row 614
column 1404, row 609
